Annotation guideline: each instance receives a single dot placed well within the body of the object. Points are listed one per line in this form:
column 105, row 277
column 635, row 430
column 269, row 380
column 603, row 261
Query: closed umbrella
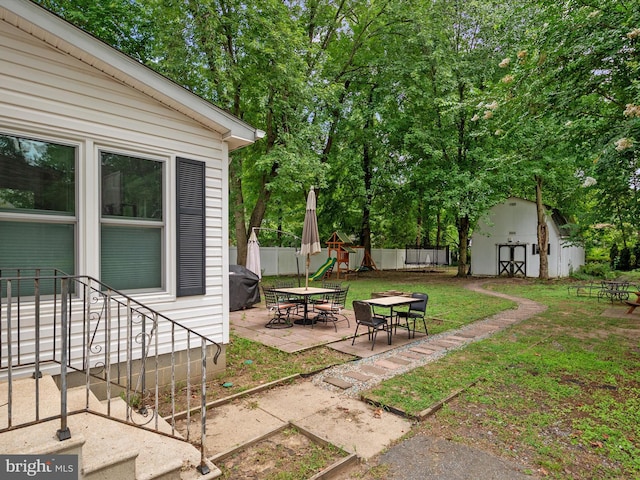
column 253, row 254
column 310, row 236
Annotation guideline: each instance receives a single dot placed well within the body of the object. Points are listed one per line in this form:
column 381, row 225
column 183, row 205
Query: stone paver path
column 363, row 374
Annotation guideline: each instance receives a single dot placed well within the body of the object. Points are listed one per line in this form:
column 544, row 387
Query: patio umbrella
column 310, row 236
column 253, row 254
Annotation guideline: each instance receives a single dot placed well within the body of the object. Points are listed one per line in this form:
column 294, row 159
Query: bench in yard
column 632, row 306
column 586, row 290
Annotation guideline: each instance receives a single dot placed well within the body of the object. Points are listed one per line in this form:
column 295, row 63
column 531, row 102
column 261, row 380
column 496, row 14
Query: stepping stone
column 373, row 370
column 399, row 361
column 361, row 377
column 423, row 351
column 459, row 338
column 483, row 328
column 336, row 382
column 442, row 344
column 413, row 356
column 468, row 334
column 387, row 364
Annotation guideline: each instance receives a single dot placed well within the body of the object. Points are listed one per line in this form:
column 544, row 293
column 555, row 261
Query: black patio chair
column 331, row 309
column 279, row 309
column 364, row 316
column 285, row 283
column 327, row 297
column 417, row 311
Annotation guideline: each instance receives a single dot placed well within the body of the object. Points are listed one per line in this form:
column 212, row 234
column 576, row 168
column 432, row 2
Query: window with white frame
column 38, row 219
column 132, row 222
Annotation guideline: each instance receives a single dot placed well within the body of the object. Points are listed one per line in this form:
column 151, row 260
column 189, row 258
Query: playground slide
column 323, row 269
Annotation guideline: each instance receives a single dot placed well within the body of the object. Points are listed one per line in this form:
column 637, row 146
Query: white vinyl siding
column 47, row 94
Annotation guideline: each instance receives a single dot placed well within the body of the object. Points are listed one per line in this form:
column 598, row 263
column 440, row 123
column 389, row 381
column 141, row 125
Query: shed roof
column 66, row 37
column 560, row 221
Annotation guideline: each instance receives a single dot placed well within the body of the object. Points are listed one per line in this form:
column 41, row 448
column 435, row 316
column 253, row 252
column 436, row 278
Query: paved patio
column 250, row 324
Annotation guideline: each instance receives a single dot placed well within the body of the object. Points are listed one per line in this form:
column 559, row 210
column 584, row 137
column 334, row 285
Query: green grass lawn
column 559, row 392
column 563, row 386
column 450, row 304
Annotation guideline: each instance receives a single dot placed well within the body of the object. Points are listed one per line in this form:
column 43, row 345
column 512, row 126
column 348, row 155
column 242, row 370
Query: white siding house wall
column 515, row 222
column 51, row 96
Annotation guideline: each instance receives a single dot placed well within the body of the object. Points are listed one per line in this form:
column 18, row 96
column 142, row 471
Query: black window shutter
column 191, row 227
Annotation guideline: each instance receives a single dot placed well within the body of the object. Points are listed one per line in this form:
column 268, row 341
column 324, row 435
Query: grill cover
column 244, row 289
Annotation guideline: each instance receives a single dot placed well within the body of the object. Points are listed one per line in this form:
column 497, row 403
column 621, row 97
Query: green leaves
column 406, row 114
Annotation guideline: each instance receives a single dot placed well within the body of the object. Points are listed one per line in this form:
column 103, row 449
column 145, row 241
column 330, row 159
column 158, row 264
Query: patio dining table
column 305, row 293
column 390, row 303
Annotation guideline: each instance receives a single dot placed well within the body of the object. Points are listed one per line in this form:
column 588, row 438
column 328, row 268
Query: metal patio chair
column 279, row 309
column 417, row 311
column 331, row 309
column 364, row 316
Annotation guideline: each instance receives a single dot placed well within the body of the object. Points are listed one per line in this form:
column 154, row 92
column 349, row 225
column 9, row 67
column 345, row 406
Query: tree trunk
column 365, row 232
column 235, row 181
column 543, row 232
column 235, row 187
column 420, row 226
column 463, row 241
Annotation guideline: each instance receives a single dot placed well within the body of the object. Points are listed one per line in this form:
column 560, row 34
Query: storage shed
column 505, row 242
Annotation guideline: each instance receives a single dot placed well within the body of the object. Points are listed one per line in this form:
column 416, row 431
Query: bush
column 593, row 269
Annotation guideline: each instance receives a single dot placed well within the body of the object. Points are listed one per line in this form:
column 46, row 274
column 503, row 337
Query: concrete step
column 24, row 400
column 23, row 405
column 116, row 461
column 107, row 448
column 117, row 408
column 40, row 439
column 158, row 456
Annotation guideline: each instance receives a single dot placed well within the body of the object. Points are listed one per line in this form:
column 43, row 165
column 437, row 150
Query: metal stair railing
column 57, row 323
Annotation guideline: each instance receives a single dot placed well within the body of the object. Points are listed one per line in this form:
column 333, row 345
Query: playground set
column 338, row 249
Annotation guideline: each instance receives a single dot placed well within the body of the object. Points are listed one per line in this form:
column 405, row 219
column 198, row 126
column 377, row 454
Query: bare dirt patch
column 286, row 454
column 246, row 371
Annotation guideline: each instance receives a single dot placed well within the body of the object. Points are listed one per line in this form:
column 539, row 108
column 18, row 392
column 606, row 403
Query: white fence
column 277, row 261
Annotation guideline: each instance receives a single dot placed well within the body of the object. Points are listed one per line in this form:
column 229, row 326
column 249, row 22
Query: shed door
column 512, row 260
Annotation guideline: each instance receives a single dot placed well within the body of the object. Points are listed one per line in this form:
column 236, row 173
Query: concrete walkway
column 327, row 405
